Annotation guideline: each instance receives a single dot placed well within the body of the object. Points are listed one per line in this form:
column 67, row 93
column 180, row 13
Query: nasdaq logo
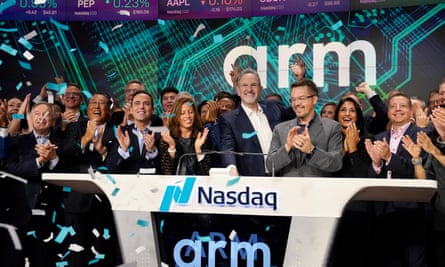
column 174, row 193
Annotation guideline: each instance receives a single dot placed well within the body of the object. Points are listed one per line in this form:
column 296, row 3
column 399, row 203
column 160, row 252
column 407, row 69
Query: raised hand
column 123, row 138
column 200, row 140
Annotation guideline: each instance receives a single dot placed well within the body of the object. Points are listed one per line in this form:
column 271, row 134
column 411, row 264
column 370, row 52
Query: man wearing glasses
column 72, row 99
column 307, row 145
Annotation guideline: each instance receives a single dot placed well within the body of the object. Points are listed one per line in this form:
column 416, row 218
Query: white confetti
column 28, row 55
column 232, row 235
column 75, row 248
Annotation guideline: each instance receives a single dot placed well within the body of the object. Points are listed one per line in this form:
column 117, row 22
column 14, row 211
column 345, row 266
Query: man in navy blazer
column 400, row 228
column 248, row 128
column 31, row 155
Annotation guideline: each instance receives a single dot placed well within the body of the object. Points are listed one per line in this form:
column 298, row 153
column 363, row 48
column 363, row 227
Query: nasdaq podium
column 242, row 221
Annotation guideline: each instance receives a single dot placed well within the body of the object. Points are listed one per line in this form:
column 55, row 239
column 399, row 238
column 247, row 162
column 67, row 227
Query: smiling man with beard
column 307, row 145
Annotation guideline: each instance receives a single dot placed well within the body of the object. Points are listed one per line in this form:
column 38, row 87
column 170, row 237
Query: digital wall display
column 395, row 48
column 188, row 9
column 33, row 9
column 220, row 240
column 283, row 7
column 112, row 10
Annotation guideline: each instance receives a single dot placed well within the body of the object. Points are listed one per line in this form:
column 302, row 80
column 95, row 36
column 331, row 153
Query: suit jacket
column 401, row 168
column 82, row 159
column 326, row 159
column 400, row 164
column 117, row 164
column 22, row 162
column 233, row 125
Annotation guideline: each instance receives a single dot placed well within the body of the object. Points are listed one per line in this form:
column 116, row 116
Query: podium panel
column 238, row 221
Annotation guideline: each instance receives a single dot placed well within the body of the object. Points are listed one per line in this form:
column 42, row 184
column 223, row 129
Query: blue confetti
column 104, row 46
column 66, row 189
column 102, row 168
column 168, row 115
column 233, row 181
column 87, row 94
column 191, row 38
column 66, row 254
column 106, row 234
column 100, row 256
column 93, row 261
column 25, row 65
column 19, row 86
column 8, row 49
column 64, row 231
column 58, row 87
column 190, row 103
column 161, row 22
column 32, row 233
column 249, row 135
column 53, row 220
column 268, row 228
column 59, row 25
column 115, row 191
column 218, row 38
column 61, row 263
column 161, row 226
column 130, row 149
column 204, row 238
column 25, row 43
column 110, row 178
column 337, row 25
column 18, row 116
column 142, row 223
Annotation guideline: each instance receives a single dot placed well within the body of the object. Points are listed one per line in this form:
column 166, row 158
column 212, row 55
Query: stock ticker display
column 399, row 47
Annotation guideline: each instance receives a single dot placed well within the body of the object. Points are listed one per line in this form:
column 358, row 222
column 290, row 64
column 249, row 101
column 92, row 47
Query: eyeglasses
column 95, row 103
column 301, row 98
column 72, row 94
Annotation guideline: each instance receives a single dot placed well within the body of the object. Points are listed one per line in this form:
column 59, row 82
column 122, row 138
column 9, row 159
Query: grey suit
column 325, row 160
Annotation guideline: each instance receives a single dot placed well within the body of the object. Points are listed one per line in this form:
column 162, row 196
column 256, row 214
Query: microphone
column 224, row 152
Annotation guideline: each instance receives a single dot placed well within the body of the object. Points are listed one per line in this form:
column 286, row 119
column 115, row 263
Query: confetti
column 233, row 181
column 110, row 178
column 25, row 65
column 58, row 87
column 124, row 12
column 106, row 234
column 140, row 249
column 142, row 223
column 19, row 86
column 30, row 35
column 38, row 212
column 95, row 232
column 66, row 189
column 18, row 116
column 117, row 27
column 218, row 38
column 49, row 238
column 61, row 263
column 249, row 135
column 104, row 46
column 25, row 43
column 75, row 248
column 8, row 49
column 161, row 22
column 115, row 191
column 64, row 231
column 59, row 25
column 232, row 235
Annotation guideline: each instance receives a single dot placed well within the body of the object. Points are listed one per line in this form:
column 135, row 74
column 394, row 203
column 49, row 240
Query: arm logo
column 176, row 194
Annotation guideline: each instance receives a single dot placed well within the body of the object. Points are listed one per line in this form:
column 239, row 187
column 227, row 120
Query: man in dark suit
column 248, row 128
column 87, row 143
column 136, row 145
column 400, row 228
column 31, row 155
